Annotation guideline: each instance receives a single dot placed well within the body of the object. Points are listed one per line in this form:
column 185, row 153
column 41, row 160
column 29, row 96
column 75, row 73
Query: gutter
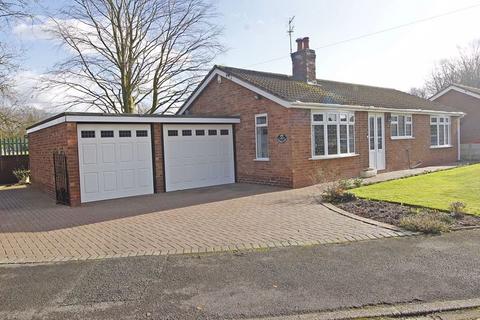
column 329, row 106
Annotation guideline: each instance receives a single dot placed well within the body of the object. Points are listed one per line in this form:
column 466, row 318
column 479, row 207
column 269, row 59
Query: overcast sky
column 255, row 32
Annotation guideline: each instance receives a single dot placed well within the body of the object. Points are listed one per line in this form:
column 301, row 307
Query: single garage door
column 198, row 156
column 115, row 160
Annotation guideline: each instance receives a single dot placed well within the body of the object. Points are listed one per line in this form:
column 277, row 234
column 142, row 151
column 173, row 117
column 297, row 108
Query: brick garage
column 64, row 133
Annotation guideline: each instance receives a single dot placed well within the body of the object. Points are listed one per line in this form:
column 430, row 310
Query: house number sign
column 282, row 138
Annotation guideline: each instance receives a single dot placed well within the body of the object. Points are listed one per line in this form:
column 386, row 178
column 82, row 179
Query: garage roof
column 126, row 118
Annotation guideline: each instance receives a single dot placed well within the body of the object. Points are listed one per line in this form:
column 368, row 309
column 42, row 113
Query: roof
column 89, row 117
column 471, row 91
column 332, row 92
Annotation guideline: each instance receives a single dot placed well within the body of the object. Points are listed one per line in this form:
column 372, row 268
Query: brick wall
column 469, row 128
column 157, row 133
column 400, row 154
column 229, row 99
column 42, row 145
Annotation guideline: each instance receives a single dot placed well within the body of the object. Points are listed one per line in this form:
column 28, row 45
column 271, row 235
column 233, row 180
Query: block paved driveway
column 230, row 217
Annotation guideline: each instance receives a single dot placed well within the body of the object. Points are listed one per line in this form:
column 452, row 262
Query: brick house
column 465, row 99
column 243, row 126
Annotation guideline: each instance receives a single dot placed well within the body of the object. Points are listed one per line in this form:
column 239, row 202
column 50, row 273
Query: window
column 125, row 133
column 401, row 126
column 88, row 134
column 142, row 133
column 106, row 133
column 186, row 133
column 440, row 131
column 212, row 132
column 172, row 133
column 224, row 132
column 200, row 132
column 333, row 133
column 261, row 136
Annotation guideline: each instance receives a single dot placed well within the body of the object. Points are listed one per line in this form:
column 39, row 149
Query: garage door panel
column 114, row 167
column 203, row 159
column 91, row 182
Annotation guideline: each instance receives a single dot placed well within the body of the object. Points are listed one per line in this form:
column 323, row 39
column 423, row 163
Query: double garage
column 115, row 156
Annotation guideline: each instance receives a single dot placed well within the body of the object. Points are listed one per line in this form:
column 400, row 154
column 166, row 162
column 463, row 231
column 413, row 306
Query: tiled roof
column 332, row 92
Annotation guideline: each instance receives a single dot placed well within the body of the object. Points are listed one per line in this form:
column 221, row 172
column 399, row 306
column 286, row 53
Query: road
column 269, row 282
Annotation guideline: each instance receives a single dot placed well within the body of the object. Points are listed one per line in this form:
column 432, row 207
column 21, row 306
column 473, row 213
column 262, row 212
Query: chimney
column 303, row 61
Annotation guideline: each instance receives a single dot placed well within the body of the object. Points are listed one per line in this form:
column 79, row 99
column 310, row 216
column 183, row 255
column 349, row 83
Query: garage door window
column 125, row 133
column 88, row 134
column 261, row 136
column 106, row 133
column 186, row 133
column 199, row 132
column 142, row 133
column 224, row 132
column 212, row 132
column 172, row 133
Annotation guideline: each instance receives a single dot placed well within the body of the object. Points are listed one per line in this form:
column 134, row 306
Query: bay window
column 333, row 134
column 440, row 128
column 401, row 126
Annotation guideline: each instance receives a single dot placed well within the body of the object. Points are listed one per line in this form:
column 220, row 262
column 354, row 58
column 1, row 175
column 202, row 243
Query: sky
column 255, row 37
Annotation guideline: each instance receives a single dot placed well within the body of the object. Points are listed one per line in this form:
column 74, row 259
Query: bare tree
column 134, row 55
column 463, row 69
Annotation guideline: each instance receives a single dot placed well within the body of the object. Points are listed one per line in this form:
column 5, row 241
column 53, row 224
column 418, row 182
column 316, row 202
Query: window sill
column 402, row 138
column 334, row 156
column 441, row 147
column 261, row 159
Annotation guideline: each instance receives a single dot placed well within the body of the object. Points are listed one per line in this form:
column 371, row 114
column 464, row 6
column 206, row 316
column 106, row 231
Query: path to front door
column 222, row 218
column 376, row 140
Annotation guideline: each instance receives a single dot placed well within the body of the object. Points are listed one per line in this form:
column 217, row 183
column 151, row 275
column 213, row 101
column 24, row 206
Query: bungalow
column 464, row 99
column 243, row 126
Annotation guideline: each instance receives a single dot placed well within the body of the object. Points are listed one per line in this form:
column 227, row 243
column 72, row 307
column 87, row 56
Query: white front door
column 376, row 140
column 198, row 156
column 115, row 160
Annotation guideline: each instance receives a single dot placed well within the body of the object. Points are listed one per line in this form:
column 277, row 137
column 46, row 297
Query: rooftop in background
column 332, row 92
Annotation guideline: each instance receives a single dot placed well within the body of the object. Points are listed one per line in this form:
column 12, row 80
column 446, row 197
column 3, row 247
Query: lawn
column 434, row 190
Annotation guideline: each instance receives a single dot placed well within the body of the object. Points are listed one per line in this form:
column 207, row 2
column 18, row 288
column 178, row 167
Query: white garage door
column 198, row 156
column 115, row 160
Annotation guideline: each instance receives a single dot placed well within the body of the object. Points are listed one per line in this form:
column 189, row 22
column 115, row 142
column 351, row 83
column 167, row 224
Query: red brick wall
column 42, row 145
column 229, row 99
column 400, row 154
column 157, row 132
column 469, row 128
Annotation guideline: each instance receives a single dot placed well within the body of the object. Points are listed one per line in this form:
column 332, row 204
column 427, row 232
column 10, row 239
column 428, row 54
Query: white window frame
column 447, row 127
column 260, row 115
column 394, row 121
column 325, row 122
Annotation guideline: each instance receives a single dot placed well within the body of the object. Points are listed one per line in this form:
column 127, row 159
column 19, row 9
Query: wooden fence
column 14, row 146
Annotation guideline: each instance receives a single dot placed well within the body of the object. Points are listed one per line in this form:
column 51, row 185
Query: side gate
column 62, row 190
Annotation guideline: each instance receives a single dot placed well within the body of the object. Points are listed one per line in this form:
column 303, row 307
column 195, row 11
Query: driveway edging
column 366, row 220
column 403, row 309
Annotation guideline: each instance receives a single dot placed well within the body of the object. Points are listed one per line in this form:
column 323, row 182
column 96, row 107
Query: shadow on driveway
column 30, row 210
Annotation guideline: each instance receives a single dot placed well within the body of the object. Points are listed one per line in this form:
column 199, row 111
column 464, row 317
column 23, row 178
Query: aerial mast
column 290, row 30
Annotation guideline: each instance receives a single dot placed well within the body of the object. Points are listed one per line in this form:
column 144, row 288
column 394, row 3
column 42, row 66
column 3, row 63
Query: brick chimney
column 303, row 61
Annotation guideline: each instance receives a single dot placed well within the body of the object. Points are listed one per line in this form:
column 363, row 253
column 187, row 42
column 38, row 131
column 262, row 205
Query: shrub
column 345, row 184
column 357, row 182
column 457, row 208
column 336, row 193
column 427, row 222
column 22, row 175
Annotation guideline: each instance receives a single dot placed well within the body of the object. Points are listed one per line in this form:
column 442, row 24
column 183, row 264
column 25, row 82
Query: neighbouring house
column 243, row 126
column 465, row 99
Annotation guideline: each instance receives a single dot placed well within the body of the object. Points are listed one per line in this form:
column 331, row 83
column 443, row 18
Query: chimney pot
column 306, row 43
column 299, row 44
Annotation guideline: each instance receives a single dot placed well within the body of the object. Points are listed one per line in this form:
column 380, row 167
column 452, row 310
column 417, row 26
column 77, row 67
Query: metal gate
column 61, row 178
